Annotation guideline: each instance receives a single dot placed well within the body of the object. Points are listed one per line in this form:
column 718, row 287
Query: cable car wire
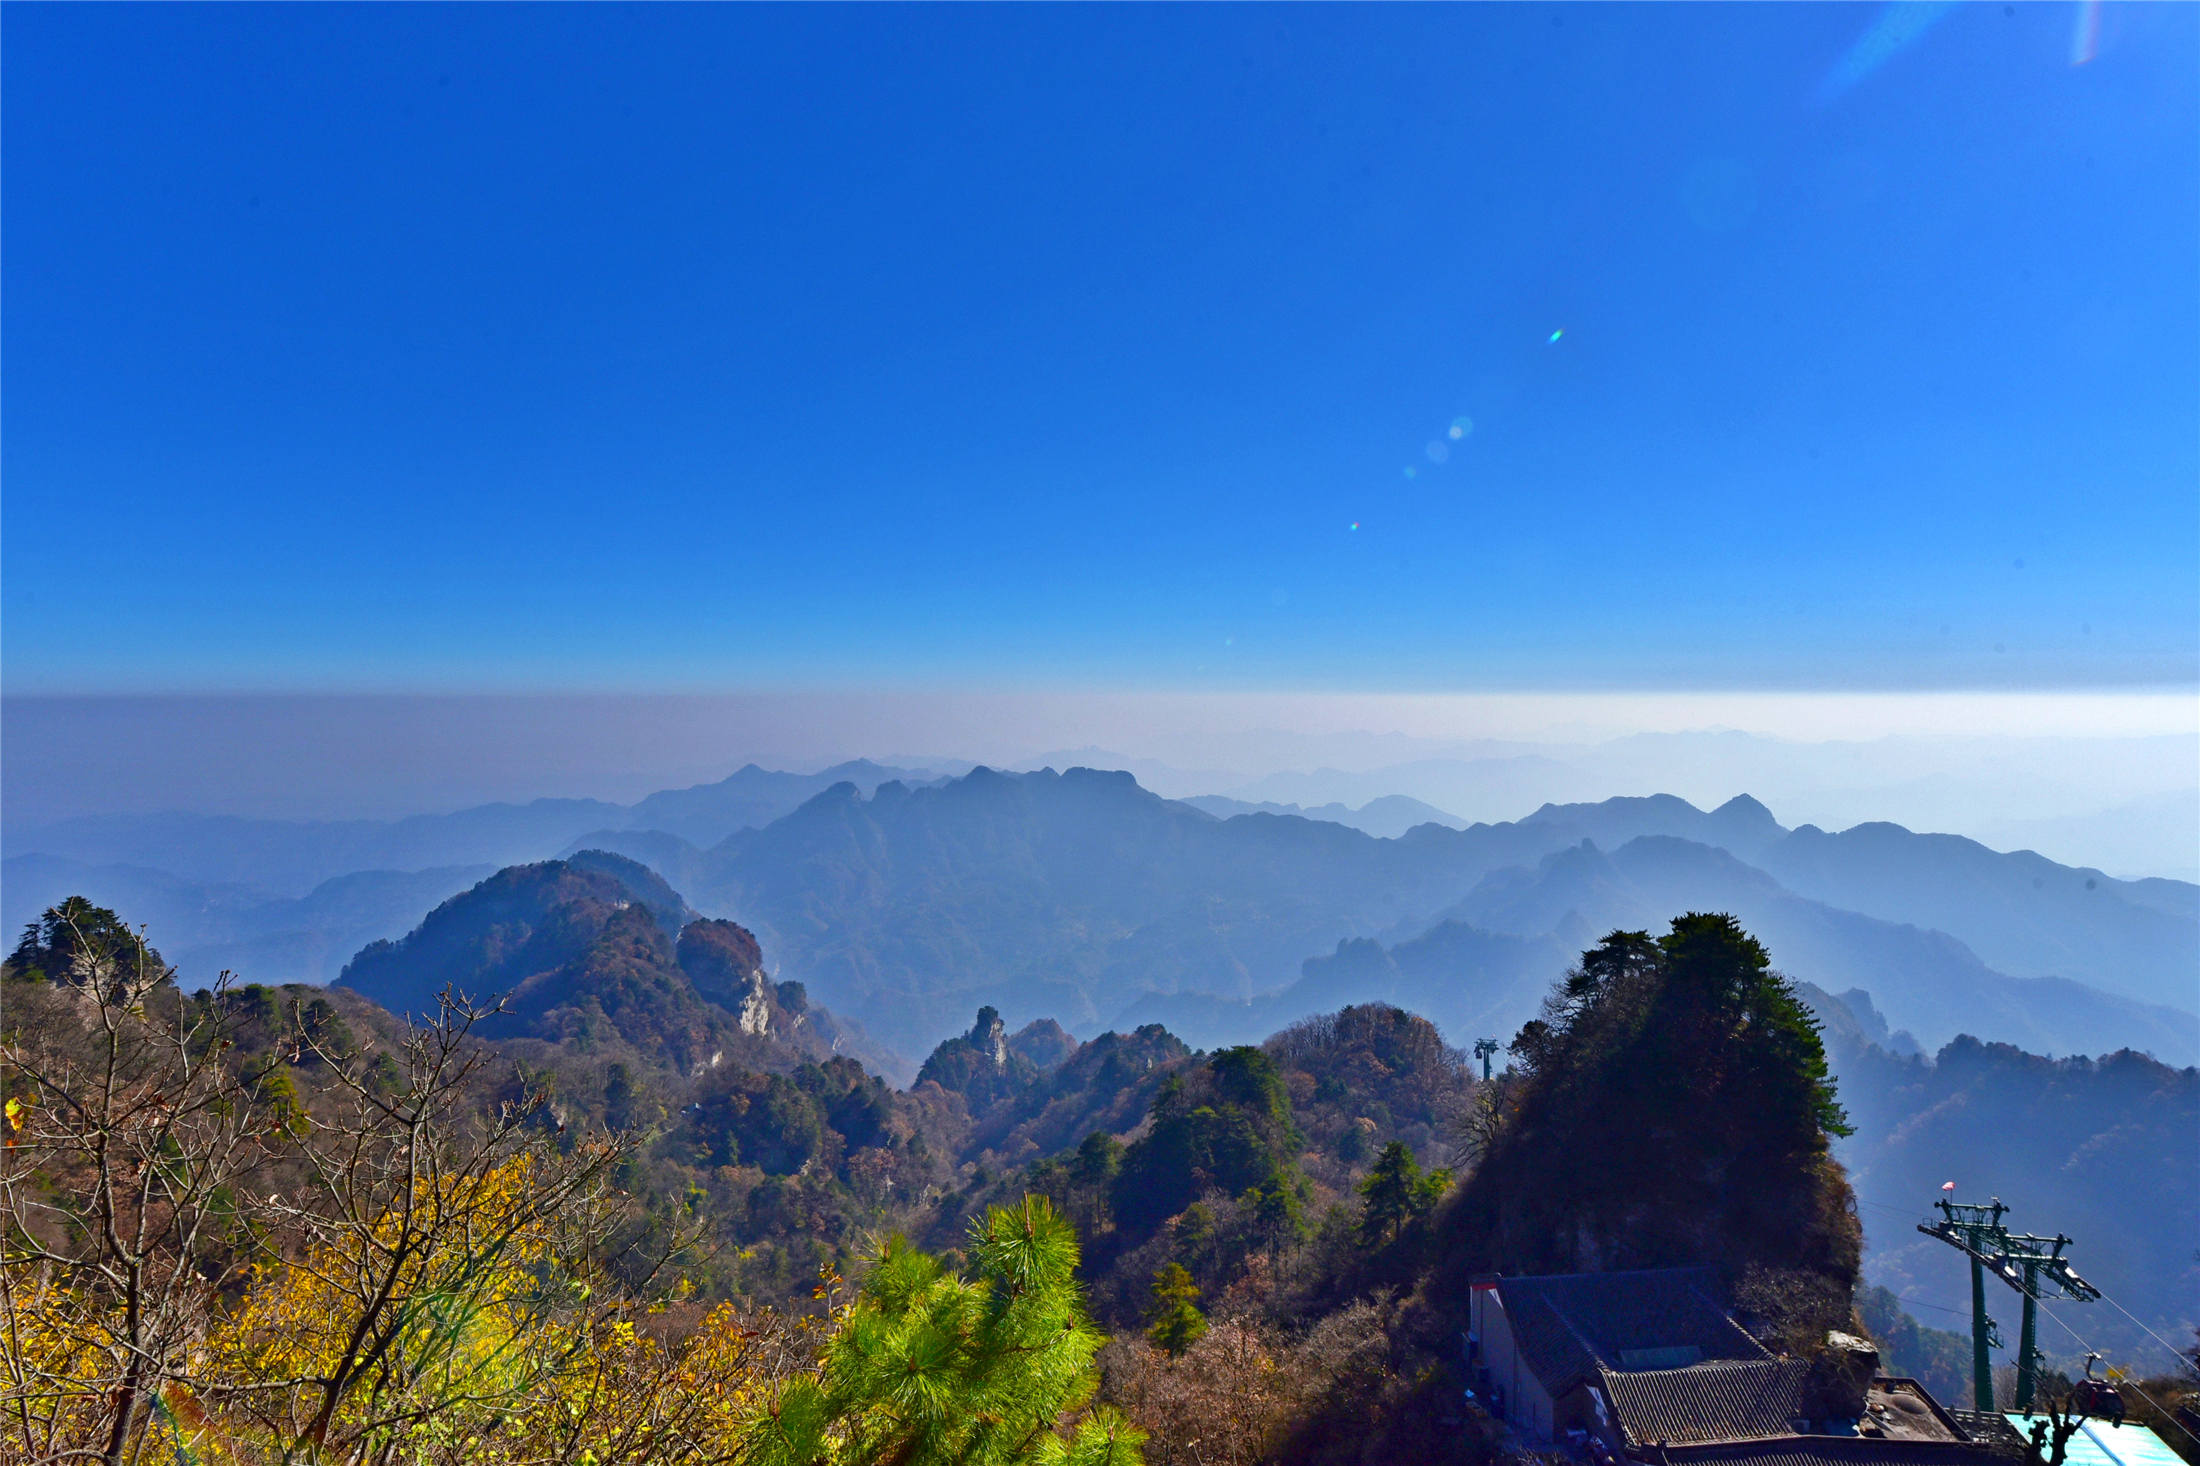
column 2123, row 1384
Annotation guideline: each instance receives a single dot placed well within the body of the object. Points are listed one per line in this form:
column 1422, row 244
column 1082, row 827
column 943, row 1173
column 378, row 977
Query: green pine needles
column 927, row 1368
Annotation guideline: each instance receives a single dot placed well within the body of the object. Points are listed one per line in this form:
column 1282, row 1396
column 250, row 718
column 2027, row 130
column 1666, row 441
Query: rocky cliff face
column 981, row 1066
column 723, row 960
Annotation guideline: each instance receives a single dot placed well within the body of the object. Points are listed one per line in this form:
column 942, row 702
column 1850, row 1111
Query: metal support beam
column 1982, row 1339
column 2028, row 1342
column 1975, row 1231
column 2028, row 1264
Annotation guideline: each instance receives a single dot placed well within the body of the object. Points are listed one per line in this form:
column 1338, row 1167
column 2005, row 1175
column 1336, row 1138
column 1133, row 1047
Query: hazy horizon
column 2106, row 780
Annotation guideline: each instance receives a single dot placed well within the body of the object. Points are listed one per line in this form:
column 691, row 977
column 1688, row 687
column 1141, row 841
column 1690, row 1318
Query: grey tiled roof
column 1734, row 1400
column 1572, row 1325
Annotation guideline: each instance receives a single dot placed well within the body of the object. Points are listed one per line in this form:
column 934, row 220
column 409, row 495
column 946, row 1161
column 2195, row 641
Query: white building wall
column 1527, row 1405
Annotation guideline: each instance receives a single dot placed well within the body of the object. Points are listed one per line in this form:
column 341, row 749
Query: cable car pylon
column 2027, row 1263
column 1977, row 1232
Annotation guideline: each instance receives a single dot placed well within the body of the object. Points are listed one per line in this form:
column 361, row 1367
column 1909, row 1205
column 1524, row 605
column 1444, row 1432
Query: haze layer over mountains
column 905, row 898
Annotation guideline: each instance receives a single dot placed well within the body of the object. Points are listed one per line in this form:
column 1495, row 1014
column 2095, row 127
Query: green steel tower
column 2026, row 1264
column 1977, row 1232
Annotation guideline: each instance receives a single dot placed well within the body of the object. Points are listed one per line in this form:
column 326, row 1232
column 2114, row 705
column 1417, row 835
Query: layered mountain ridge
column 908, row 902
column 1082, row 896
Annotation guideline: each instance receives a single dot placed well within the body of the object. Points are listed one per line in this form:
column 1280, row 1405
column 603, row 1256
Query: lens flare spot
column 1556, row 334
column 2085, row 44
column 1355, row 524
column 1412, row 472
column 1460, row 427
column 1899, row 25
column 1438, row 451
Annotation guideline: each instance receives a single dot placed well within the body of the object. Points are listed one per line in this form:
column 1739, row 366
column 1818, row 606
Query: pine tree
column 1177, row 1322
column 76, row 937
column 1672, row 1104
column 927, row 1368
column 1397, row 1194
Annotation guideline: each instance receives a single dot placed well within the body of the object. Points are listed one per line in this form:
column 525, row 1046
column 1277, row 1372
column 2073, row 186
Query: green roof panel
column 2098, row 1443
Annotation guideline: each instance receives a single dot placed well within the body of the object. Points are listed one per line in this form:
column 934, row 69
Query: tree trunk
column 126, row 1412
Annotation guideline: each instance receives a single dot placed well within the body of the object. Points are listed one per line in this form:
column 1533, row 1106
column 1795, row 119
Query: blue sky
column 686, row 347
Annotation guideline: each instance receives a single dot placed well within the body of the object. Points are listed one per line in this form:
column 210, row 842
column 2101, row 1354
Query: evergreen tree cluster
column 1672, row 1105
column 1397, row 1195
column 69, row 938
column 1224, row 1126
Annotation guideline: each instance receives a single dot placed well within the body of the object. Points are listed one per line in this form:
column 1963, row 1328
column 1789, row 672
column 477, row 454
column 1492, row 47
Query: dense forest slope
column 1672, row 1105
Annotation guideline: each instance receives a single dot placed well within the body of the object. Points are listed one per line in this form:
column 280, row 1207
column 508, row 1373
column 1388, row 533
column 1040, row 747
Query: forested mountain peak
column 598, row 950
column 1663, row 1072
column 980, row 1065
column 523, row 920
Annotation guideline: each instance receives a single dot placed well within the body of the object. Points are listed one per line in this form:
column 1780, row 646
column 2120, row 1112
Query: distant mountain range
column 1081, row 896
column 907, row 901
column 604, row 960
column 205, row 928
column 1481, row 969
column 291, row 857
column 292, row 900
column 1386, row 818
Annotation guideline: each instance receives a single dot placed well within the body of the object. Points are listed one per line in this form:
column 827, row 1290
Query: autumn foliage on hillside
column 219, row 1253
column 257, row 1225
